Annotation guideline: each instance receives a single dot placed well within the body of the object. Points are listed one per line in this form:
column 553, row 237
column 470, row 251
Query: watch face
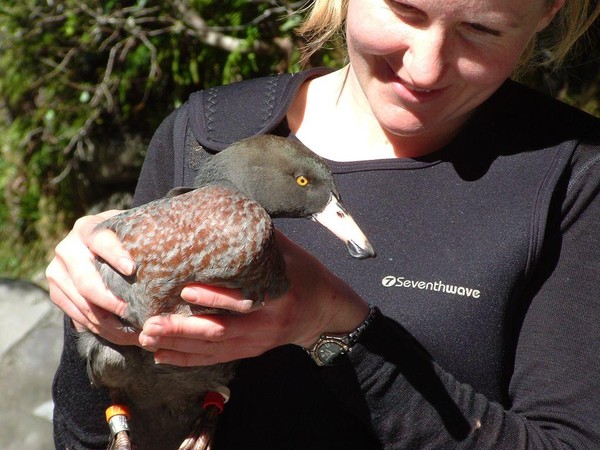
column 329, row 350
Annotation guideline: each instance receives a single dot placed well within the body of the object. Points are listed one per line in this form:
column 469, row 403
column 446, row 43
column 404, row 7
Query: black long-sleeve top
column 487, row 277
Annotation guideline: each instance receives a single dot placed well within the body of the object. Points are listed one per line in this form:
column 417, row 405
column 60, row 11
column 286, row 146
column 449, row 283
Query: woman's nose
column 425, row 59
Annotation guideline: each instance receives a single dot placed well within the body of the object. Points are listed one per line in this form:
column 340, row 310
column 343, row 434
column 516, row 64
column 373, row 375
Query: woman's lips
column 410, row 93
column 413, row 94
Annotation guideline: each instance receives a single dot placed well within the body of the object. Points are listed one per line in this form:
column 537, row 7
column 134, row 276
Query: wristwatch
column 329, row 347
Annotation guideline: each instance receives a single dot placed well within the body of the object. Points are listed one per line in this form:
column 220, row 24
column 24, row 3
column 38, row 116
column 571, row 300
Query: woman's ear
column 549, row 14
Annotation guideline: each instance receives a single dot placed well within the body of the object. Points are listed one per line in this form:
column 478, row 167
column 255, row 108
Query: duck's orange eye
column 301, row 180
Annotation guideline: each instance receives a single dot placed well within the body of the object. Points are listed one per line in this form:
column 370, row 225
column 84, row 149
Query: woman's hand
column 316, row 302
column 76, row 286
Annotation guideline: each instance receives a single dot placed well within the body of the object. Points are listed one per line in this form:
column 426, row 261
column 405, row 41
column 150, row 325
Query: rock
column 30, row 346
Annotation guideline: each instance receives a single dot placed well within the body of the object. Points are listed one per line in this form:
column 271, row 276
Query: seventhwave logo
column 437, row 286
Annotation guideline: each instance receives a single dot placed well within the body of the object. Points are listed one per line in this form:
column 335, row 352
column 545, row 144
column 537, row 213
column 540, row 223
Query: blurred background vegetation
column 84, row 85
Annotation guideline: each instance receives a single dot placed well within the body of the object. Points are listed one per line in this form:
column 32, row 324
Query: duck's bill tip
column 335, row 217
column 363, row 251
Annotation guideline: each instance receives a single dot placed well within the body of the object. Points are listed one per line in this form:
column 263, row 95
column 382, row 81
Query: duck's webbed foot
column 204, row 427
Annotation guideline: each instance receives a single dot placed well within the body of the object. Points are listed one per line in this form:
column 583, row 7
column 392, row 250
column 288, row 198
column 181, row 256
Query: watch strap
column 343, row 342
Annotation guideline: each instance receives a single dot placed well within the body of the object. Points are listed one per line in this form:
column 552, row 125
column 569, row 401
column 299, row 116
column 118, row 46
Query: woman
column 480, row 197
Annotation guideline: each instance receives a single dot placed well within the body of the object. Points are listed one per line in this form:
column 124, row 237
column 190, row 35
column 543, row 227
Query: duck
column 217, row 232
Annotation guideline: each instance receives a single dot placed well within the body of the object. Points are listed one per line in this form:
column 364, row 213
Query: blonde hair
column 551, row 46
column 324, row 23
column 326, row 18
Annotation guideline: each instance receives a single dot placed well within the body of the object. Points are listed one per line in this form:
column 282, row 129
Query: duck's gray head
column 288, row 180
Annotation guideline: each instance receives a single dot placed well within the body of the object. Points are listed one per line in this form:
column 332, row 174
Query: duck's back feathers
column 222, row 238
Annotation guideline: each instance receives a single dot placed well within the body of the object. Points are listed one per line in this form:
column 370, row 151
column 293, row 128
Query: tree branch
column 211, row 36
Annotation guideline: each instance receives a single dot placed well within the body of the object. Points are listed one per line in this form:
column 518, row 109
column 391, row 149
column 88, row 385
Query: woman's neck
column 332, row 117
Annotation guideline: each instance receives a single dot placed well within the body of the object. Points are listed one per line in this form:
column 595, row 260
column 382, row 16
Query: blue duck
column 219, row 233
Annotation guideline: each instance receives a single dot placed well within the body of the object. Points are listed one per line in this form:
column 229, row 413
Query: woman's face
column 425, row 65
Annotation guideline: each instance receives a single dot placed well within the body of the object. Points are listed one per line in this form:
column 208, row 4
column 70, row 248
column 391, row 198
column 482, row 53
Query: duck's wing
column 211, row 235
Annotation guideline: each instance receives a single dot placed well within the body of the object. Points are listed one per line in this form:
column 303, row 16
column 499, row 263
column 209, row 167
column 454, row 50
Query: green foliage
column 82, row 80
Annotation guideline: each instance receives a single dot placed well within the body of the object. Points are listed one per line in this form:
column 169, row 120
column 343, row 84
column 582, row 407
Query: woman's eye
column 482, row 29
column 407, row 12
column 404, row 6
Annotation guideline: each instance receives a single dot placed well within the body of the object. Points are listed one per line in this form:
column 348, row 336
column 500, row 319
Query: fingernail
column 149, row 343
column 152, row 329
column 249, row 305
column 189, row 295
column 126, row 266
column 159, row 358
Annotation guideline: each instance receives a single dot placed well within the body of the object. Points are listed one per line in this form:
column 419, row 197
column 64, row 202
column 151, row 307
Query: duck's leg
column 205, row 425
column 117, row 417
column 121, row 442
column 202, row 434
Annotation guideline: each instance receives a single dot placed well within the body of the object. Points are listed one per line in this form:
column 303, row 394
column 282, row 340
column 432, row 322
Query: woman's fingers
column 104, row 243
column 73, row 274
column 209, row 339
column 86, row 315
column 207, row 327
column 218, row 298
column 209, row 353
column 77, row 288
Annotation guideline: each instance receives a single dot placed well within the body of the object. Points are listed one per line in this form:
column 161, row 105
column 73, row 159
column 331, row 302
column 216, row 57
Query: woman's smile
column 411, row 94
